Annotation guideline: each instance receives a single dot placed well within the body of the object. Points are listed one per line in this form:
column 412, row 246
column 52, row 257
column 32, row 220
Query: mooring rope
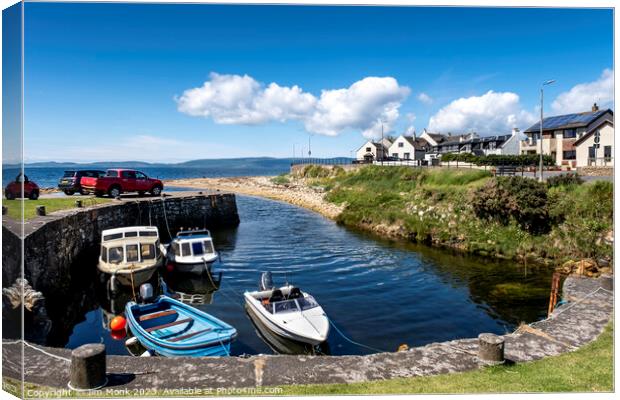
column 352, row 341
column 163, row 204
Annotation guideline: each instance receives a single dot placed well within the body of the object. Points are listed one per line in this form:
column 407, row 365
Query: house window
column 407, row 156
column 570, row 133
column 591, row 152
column 569, row 155
column 368, row 149
column 607, row 153
column 395, row 155
column 400, row 144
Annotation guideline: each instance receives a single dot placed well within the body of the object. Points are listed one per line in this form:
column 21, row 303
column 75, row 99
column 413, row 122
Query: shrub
column 282, row 179
column 498, row 159
column 506, row 198
column 564, row 180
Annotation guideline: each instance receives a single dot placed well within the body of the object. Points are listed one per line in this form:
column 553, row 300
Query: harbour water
column 378, row 293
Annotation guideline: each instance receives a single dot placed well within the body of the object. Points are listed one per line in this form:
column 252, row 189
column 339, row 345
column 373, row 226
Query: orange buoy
column 117, row 323
column 118, row 335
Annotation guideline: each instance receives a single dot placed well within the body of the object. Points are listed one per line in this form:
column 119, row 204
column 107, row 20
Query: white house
column 595, row 146
column 408, row 148
column 373, row 151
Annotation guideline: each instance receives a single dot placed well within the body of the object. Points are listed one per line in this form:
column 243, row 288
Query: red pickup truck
column 118, row 181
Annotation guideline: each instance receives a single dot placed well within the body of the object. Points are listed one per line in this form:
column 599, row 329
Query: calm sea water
column 48, row 177
column 378, row 293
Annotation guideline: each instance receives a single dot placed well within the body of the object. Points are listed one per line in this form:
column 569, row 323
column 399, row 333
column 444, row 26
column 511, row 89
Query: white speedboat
column 192, row 251
column 131, row 255
column 288, row 312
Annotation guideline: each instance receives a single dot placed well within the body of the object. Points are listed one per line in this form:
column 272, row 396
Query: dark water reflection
column 379, row 293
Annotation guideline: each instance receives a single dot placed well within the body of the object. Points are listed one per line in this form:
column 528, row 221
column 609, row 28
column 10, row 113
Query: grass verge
column 51, row 205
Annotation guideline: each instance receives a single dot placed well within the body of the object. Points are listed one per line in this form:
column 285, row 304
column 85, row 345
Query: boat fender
column 131, row 341
column 117, row 323
column 147, row 354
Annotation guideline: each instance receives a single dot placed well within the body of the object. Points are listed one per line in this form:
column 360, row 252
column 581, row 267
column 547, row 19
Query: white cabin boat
column 130, row 254
column 192, row 251
column 289, row 313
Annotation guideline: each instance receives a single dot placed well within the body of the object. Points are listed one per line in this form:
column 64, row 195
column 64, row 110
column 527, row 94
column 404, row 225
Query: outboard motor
column 146, row 292
column 266, row 281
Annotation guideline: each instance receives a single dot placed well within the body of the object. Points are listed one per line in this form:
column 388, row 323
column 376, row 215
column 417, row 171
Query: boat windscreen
column 209, row 247
column 112, row 236
column 148, row 233
column 285, row 306
column 197, row 248
column 147, row 251
column 132, row 253
column 306, row 303
column 115, row 255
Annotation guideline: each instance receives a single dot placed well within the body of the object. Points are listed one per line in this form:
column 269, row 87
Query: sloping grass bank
column 472, row 211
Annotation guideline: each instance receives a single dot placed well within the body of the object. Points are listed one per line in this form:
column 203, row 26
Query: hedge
column 497, row 159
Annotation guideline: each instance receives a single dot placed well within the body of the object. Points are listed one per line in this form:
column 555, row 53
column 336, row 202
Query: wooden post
column 490, row 349
column 553, row 297
column 40, row 210
column 5, row 210
column 88, row 367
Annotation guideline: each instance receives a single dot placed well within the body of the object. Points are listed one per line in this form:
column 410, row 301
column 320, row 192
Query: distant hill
column 228, row 163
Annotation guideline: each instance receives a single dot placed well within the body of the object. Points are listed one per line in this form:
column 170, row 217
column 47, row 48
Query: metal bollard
column 40, row 210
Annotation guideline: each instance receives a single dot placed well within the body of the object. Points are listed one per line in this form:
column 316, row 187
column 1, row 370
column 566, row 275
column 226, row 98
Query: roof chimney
column 594, row 108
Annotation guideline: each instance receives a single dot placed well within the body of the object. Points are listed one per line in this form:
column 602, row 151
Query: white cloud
column 490, row 114
column 235, row 99
column 581, row 97
column 424, row 98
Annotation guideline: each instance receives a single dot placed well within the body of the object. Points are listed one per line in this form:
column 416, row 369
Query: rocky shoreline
column 294, row 193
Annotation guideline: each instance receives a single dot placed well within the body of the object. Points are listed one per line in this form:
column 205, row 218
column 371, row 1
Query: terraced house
column 574, row 140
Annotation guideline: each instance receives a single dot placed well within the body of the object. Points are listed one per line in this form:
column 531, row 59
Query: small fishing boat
column 288, row 312
column 170, row 328
column 191, row 251
column 131, row 254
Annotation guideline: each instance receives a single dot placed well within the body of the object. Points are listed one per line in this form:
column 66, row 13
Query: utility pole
column 548, row 82
column 309, row 151
column 382, row 151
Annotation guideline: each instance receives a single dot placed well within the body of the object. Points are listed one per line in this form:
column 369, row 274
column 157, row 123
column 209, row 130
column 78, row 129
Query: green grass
column 435, row 206
column 51, row 205
column 282, row 179
column 588, row 369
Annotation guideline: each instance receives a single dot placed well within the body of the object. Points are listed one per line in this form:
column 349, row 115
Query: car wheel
column 98, row 193
column 34, row 195
column 114, row 191
column 82, row 192
column 156, row 191
column 9, row 195
column 69, row 192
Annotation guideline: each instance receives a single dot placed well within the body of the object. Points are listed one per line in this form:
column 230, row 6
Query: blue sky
column 114, row 81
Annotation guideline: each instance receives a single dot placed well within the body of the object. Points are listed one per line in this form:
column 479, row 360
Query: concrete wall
column 60, row 246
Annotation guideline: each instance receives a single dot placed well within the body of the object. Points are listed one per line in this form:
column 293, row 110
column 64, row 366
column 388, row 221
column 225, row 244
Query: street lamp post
column 548, row 82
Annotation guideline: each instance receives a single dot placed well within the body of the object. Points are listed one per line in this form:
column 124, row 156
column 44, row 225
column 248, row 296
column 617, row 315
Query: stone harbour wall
column 65, row 244
column 588, row 308
column 595, row 171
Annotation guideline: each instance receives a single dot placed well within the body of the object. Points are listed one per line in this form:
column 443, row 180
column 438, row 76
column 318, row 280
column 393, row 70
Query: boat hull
column 193, row 268
column 276, row 328
column 140, row 275
column 171, row 335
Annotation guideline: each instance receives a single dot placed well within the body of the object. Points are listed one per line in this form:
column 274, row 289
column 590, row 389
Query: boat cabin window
column 197, row 248
column 132, row 252
column 281, row 307
column 112, row 236
column 147, row 251
column 104, row 254
column 131, row 234
column 208, row 247
column 185, row 250
column 148, row 233
column 306, row 303
column 115, row 255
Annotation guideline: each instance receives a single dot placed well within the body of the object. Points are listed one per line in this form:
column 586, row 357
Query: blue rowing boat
column 174, row 329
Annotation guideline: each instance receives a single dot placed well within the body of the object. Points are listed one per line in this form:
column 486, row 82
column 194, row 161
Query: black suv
column 70, row 181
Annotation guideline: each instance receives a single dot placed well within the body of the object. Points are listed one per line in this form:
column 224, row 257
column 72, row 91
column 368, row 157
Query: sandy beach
column 294, row 193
